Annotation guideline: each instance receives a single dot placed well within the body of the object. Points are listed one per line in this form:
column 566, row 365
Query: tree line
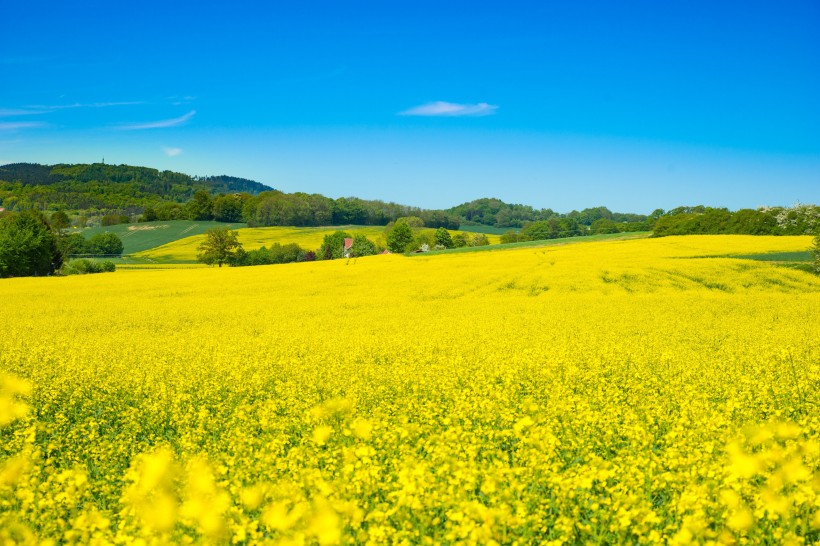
column 701, row 220
column 221, row 245
column 496, row 213
column 33, row 245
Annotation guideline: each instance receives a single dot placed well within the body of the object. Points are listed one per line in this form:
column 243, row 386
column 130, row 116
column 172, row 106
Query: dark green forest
column 106, row 188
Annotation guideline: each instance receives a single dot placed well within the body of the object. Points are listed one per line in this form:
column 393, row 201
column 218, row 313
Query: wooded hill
column 123, row 193
column 104, row 187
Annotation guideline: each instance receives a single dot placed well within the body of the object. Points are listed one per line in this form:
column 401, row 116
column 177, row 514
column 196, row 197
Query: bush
column 509, row 237
column 85, row 267
column 114, row 219
column 148, row 215
column 276, row 254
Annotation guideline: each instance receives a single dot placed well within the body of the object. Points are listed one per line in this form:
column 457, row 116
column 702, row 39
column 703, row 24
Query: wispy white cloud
column 172, row 152
column 9, row 112
column 450, row 109
column 44, row 108
column 16, row 125
column 161, row 124
column 33, row 110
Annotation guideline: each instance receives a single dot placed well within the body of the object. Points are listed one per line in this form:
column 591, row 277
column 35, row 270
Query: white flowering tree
column 801, row 215
column 808, row 218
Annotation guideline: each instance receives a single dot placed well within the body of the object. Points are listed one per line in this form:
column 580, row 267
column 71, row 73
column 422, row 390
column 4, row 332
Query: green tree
column 362, row 246
column 400, row 236
column 220, row 246
column 816, row 252
column 28, row 246
column 333, row 245
column 443, row 238
column 604, row 225
column 59, row 221
column 104, row 243
column 149, row 215
column 227, row 208
column 200, row 207
column 459, row 240
column 73, row 243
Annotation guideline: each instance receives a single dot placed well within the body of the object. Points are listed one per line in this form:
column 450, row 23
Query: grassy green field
column 147, row 235
column 488, row 230
column 804, row 256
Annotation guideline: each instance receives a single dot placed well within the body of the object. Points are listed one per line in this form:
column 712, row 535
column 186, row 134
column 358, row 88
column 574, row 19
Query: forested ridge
column 99, row 193
column 122, row 188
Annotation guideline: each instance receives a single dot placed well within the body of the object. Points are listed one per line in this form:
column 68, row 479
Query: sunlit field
column 309, row 238
column 633, row 391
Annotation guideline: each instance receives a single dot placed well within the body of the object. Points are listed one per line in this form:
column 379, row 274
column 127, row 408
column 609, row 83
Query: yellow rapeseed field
column 611, row 392
column 309, row 238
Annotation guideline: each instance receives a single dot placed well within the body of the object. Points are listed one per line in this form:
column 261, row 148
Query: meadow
column 147, row 235
column 624, row 391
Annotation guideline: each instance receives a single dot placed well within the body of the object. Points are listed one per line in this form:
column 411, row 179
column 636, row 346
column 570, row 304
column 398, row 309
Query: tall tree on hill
column 200, row 207
column 220, row 246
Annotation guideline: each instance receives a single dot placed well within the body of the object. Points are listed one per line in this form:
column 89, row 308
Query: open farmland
column 147, row 235
column 309, row 238
column 630, row 391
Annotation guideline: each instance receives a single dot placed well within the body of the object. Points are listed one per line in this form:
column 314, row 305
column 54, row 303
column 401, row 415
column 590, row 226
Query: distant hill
column 126, row 192
column 101, row 186
column 496, row 213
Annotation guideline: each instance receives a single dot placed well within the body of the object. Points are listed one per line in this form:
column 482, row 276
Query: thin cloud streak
column 450, row 109
column 15, row 125
column 87, row 105
column 172, row 152
column 9, row 112
column 161, row 124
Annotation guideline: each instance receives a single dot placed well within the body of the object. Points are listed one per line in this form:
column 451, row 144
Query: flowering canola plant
column 639, row 391
column 309, row 238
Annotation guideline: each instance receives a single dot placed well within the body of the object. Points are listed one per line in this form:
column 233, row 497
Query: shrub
column 85, row 267
column 509, row 237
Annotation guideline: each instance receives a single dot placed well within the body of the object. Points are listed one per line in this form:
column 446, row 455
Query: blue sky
column 566, row 105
